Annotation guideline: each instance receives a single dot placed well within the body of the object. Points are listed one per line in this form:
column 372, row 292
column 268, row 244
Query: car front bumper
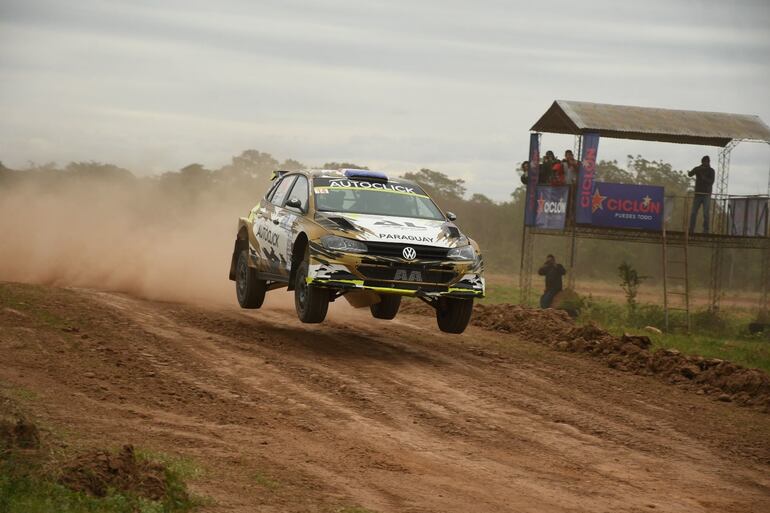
column 347, row 271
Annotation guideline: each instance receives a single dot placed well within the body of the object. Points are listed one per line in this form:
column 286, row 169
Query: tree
column 292, row 165
column 438, row 184
column 251, row 166
column 630, row 281
column 193, row 179
column 657, row 172
column 481, row 199
column 342, row 165
column 98, row 170
column 609, row 171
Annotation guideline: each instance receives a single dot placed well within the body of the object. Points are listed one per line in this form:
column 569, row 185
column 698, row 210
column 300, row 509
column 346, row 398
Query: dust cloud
column 120, row 237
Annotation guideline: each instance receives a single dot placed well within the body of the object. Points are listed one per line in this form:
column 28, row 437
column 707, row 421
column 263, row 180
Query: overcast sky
column 395, row 84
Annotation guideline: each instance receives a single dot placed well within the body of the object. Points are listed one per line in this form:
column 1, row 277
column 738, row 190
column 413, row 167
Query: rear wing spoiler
column 277, row 174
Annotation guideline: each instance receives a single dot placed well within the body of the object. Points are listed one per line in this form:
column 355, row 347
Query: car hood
column 404, row 230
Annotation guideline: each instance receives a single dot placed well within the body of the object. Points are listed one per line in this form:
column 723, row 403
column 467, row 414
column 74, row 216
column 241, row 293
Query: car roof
column 340, row 173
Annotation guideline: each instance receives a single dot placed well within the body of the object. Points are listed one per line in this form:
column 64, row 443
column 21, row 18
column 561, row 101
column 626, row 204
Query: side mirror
column 451, row 216
column 294, row 203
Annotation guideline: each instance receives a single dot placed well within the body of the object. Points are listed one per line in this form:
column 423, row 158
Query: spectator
column 557, row 174
column 553, row 285
column 704, row 180
column 571, row 167
column 525, row 172
column 545, row 174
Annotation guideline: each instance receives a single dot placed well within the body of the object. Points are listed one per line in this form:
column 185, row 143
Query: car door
column 271, row 233
column 292, row 215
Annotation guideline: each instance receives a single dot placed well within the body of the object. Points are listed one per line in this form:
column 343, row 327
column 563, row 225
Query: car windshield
column 376, row 198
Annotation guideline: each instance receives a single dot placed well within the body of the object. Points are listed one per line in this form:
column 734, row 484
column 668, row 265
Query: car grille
column 395, row 249
column 406, row 274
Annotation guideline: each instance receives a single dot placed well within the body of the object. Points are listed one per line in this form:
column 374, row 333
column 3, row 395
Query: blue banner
column 621, row 205
column 585, row 186
column 530, row 211
column 551, row 207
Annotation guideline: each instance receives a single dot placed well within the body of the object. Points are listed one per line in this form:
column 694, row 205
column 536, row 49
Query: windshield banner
column 551, row 207
column 621, row 205
column 586, row 178
column 530, row 212
column 323, row 185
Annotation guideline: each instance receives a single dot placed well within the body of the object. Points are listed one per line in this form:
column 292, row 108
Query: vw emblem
column 409, row 253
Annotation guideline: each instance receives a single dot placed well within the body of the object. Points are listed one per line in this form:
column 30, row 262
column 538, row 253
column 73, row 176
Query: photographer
column 553, row 285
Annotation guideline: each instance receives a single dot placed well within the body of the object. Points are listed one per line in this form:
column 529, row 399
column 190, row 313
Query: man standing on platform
column 704, row 180
column 553, row 285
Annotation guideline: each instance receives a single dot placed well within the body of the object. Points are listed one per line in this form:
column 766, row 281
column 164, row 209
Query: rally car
column 360, row 235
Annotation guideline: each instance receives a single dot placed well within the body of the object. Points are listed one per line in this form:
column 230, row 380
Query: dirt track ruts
column 390, row 415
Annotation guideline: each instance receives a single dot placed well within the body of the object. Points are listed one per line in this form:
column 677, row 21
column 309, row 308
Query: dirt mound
column 99, row 471
column 631, row 353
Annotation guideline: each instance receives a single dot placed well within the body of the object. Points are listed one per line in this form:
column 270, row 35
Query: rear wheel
column 310, row 302
column 249, row 289
column 453, row 314
column 387, row 308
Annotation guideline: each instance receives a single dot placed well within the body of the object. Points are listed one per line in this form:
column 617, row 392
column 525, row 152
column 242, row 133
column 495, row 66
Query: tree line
column 496, row 225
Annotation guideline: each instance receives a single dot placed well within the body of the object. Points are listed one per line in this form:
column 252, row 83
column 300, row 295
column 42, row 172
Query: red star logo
column 540, row 204
column 597, row 201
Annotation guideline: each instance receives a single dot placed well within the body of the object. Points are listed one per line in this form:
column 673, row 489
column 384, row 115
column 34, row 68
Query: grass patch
column 183, row 467
column 724, row 336
column 354, row 509
column 27, row 485
column 747, row 352
column 27, row 299
column 20, row 394
column 501, row 293
column 265, row 481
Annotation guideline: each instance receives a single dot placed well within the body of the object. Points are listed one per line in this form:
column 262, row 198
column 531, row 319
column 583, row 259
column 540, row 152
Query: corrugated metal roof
column 644, row 123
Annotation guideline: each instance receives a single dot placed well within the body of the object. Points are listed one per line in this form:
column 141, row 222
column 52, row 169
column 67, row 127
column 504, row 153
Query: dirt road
column 392, row 416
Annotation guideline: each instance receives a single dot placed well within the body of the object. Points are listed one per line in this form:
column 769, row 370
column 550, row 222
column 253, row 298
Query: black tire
column 453, row 314
column 387, row 308
column 311, row 302
column 249, row 289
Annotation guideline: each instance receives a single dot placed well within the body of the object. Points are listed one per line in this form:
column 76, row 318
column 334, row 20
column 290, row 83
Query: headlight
column 462, row 253
column 342, row 244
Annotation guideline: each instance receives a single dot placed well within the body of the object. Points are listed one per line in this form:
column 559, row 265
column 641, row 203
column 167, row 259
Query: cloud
column 441, row 84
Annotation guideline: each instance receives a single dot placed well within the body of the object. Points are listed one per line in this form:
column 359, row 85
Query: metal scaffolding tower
column 713, row 129
column 718, row 222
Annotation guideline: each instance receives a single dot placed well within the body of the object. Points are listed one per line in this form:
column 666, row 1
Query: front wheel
column 310, row 302
column 453, row 314
column 387, row 308
column 249, row 289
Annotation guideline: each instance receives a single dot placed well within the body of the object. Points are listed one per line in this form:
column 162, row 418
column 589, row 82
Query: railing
column 731, row 215
column 727, row 215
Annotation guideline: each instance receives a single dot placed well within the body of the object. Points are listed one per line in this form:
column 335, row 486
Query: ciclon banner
column 551, row 207
column 585, row 187
column 620, row 205
column 534, row 169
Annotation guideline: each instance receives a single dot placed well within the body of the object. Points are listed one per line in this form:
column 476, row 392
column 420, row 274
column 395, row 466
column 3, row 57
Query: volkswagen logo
column 409, row 253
